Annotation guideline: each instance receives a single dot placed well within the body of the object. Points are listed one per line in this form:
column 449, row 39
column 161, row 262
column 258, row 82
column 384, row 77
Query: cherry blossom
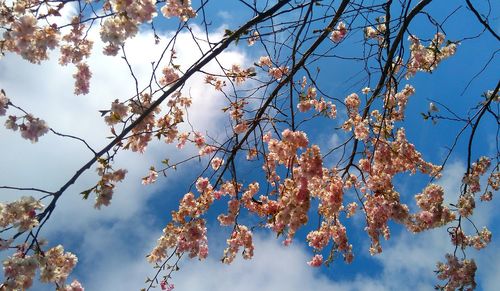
column 271, row 125
column 339, row 33
column 4, row 103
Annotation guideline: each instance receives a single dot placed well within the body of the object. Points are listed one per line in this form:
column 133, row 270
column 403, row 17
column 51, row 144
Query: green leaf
column 86, row 193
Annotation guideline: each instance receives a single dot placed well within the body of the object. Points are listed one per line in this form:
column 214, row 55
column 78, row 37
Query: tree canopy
column 330, row 124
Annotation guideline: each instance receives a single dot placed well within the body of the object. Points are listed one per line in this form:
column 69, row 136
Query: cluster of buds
column 54, row 265
column 105, row 187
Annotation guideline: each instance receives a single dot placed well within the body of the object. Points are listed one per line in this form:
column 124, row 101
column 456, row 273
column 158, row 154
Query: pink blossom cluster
column 4, row 103
column 233, row 207
column 391, row 158
column 308, row 100
column 142, row 133
column 371, row 32
column 26, row 34
column 262, row 207
column 494, row 183
column 379, row 210
column 265, row 61
column 82, row 78
column 5, row 243
column 198, row 140
column 241, row 237
column 361, row 129
column 294, row 193
column 76, row 46
column 117, row 114
column 20, row 213
column 182, row 139
column 240, row 127
column 19, row 271
column 115, row 31
column 310, row 164
column 305, row 99
column 105, row 188
column 167, row 124
column 339, row 33
column 478, row 241
column 151, row 177
column 352, row 103
column 466, row 202
column 466, row 205
column 427, row 58
column 387, row 160
column 55, row 265
column 397, row 103
column 216, row 82
column 193, row 207
column 433, row 213
column 289, row 211
column 228, row 188
column 377, row 32
column 207, row 150
column 275, row 72
column 283, row 152
column 351, row 209
column 24, row 37
column 330, row 191
column 278, row 72
column 166, row 241
column 165, row 286
column 252, row 153
column 139, row 11
column 355, row 120
column 216, row 163
column 339, row 235
column 236, row 114
column 459, row 273
column 124, row 24
column 178, row 8
column 74, row 49
column 319, row 239
column 74, row 286
column 169, row 76
column 239, row 75
column 316, row 261
column 286, row 149
column 193, row 239
column 478, row 169
column 31, row 128
column 190, row 237
column 253, row 38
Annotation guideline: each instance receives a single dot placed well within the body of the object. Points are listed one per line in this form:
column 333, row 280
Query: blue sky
column 112, row 243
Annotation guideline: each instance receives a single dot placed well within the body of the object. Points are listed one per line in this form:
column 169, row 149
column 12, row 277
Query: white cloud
column 274, row 267
column 46, row 91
